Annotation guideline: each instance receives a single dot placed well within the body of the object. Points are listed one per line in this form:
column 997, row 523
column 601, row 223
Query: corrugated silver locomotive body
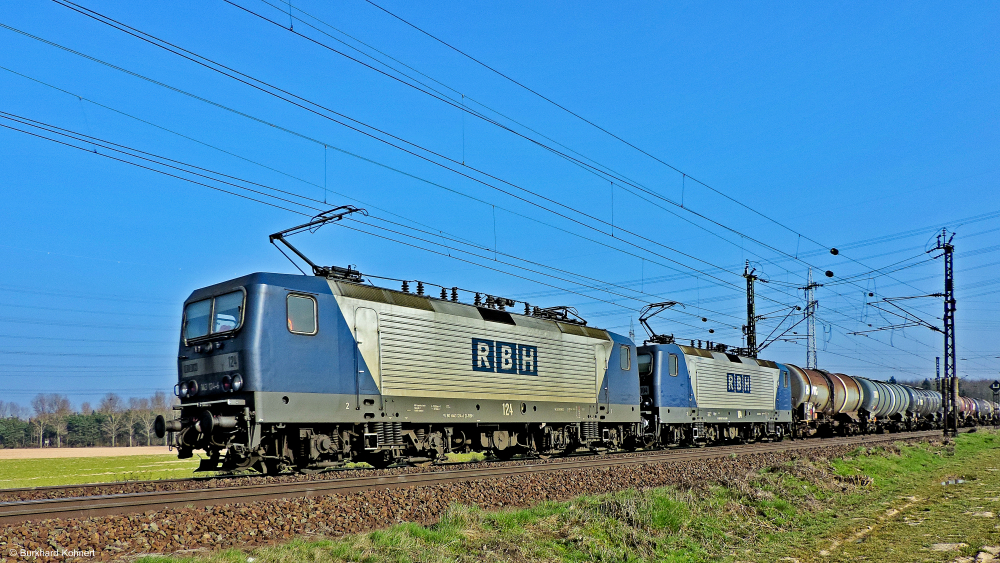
column 282, row 371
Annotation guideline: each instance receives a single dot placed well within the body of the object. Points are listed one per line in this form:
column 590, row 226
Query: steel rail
column 128, row 503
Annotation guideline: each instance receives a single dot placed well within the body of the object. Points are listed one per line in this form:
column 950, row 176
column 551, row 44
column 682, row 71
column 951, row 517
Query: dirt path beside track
column 50, row 453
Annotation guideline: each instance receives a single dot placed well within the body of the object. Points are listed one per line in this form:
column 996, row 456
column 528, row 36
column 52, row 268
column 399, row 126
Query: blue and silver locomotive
column 692, row 394
column 284, row 371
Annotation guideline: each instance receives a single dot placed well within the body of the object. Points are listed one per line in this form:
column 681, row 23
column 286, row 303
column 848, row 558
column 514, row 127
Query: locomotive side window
column 228, row 312
column 672, row 364
column 626, row 357
column 784, row 375
column 301, row 314
column 196, row 317
column 645, row 364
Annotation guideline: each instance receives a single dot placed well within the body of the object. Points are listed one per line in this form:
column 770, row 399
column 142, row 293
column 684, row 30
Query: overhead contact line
column 207, row 174
column 487, row 184
column 448, row 159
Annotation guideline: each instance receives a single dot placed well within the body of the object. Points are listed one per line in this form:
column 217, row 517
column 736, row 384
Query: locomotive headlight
column 183, row 389
column 237, row 382
column 227, row 383
column 192, row 388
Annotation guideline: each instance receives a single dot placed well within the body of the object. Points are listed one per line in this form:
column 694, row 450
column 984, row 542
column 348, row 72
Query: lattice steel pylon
column 950, row 368
column 751, row 328
column 811, row 305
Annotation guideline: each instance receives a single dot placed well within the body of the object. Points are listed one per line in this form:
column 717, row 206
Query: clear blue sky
column 861, row 127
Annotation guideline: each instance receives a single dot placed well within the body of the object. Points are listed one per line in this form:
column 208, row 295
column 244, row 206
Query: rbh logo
column 504, row 357
column 736, row 383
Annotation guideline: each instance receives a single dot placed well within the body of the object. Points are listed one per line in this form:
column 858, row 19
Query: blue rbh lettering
column 482, row 355
column 506, row 357
column 527, row 360
column 737, row 383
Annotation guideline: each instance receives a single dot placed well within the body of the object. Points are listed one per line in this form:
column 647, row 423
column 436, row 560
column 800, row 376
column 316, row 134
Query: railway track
column 129, row 503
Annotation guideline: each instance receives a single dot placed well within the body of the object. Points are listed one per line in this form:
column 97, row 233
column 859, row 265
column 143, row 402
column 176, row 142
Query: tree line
column 52, row 422
column 972, row 388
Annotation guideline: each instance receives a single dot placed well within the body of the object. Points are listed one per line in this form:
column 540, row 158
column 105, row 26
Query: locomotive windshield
column 213, row 316
column 196, row 318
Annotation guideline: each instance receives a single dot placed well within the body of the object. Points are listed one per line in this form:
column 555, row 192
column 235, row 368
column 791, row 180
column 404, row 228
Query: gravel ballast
column 256, row 523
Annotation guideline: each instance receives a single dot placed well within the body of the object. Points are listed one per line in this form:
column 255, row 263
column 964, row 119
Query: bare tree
column 11, row 410
column 59, row 409
column 85, row 408
column 138, row 414
column 145, row 417
column 111, row 408
column 40, row 404
column 158, row 403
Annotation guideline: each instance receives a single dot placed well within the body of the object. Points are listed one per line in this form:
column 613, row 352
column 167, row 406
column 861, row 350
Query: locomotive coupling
column 161, row 426
column 207, row 422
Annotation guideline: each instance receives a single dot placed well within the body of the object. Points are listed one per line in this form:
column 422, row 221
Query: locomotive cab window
column 196, row 317
column 672, row 365
column 228, row 312
column 216, row 315
column 301, row 314
column 626, row 357
column 645, row 364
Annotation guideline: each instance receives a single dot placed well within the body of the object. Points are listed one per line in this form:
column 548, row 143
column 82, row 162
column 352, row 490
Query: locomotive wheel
column 379, row 460
column 268, row 466
column 505, row 454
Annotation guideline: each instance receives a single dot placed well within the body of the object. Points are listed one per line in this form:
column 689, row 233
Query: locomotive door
column 366, row 332
column 601, row 369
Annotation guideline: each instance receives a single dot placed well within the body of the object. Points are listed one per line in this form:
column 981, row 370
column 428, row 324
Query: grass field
column 882, row 505
column 17, row 473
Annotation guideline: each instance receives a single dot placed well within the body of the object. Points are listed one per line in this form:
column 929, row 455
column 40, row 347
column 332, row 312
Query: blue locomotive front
column 280, row 372
column 692, row 395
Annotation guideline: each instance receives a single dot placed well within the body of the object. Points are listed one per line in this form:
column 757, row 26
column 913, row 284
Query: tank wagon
column 285, row 371
column 834, row 403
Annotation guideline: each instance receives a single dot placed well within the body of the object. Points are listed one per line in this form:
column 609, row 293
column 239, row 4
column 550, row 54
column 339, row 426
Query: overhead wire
column 500, row 125
column 209, row 174
column 487, row 184
column 615, row 176
column 202, row 61
column 684, row 174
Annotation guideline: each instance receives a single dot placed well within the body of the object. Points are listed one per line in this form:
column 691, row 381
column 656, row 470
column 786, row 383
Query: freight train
column 282, row 372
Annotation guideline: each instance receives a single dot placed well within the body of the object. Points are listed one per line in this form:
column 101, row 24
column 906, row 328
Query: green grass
column 884, row 504
column 17, row 473
column 471, row 457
